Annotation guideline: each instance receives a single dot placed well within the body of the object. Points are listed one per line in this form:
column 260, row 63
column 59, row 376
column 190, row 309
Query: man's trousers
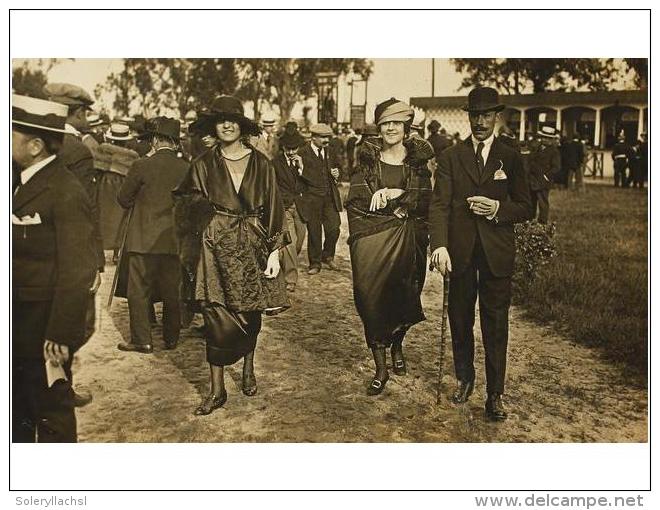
column 151, row 276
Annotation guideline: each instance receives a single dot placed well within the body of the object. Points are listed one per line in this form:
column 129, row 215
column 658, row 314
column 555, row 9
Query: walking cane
column 122, row 234
column 443, row 332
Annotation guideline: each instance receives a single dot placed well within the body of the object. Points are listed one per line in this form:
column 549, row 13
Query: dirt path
column 313, row 367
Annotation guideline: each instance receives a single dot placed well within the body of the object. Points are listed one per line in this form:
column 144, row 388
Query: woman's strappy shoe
column 250, row 386
column 377, row 386
column 398, row 362
column 210, row 404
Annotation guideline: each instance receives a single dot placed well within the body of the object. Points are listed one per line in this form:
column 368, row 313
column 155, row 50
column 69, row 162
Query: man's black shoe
column 463, row 392
column 494, row 408
column 141, row 348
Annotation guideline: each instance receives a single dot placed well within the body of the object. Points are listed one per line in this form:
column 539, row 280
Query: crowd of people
column 208, row 214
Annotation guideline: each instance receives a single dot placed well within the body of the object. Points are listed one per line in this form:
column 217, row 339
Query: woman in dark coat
column 230, row 222
column 387, row 213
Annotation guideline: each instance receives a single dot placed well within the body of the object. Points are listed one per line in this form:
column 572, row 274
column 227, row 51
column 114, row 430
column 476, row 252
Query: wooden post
column 640, row 122
column 558, row 121
column 432, row 77
column 597, row 129
column 521, row 135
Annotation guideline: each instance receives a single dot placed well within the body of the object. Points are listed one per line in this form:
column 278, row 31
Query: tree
column 640, row 67
column 157, row 86
column 28, row 82
column 285, row 81
column 174, row 86
column 514, row 75
column 30, row 76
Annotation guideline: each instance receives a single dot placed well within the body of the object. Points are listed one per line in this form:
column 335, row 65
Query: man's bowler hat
column 483, row 99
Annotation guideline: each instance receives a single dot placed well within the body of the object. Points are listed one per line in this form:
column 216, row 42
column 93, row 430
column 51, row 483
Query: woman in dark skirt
column 230, row 221
column 387, row 213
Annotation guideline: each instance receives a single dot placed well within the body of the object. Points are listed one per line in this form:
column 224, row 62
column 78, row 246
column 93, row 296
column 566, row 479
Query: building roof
column 604, row 97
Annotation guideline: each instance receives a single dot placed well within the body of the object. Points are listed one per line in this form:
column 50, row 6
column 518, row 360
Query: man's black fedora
column 483, row 99
column 164, row 126
column 291, row 138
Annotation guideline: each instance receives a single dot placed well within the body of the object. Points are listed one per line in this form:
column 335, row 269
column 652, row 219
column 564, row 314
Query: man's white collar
column 30, row 171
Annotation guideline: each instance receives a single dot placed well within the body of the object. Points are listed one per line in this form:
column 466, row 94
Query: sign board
column 358, row 116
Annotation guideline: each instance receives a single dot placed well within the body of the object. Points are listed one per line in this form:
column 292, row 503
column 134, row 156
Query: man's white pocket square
column 26, row 220
column 500, row 175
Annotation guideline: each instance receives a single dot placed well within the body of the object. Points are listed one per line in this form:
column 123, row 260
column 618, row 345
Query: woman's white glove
column 380, row 198
column 273, row 265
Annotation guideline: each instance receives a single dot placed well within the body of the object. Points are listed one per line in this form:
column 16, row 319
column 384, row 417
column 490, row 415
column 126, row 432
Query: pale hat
column 267, row 120
column 321, row 129
column 94, row 119
column 548, row 132
column 119, row 132
column 38, row 113
column 68, row 94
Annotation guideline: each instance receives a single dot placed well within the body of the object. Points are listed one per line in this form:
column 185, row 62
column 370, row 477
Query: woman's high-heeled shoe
column 378, row 383
column 250, row 385
column 377, row 386
column 210, row 404
column 398, row 361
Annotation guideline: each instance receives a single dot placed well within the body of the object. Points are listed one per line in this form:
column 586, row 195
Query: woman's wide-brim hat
column 38, row 113
column 225, row 108
column 482, row 100
column 164, row 126
column 119, row 132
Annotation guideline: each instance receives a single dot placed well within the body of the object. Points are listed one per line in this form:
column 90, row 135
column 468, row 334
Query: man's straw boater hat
column 267, row 120
column 119, row 132
column 548, row 132
column 94, row 119
column 38, row 113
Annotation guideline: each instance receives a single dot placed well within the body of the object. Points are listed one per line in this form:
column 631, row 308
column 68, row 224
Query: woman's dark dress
column 247, row 226
column 388, row 253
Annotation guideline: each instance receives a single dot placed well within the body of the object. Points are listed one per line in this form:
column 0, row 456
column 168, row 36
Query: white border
column 364, row 34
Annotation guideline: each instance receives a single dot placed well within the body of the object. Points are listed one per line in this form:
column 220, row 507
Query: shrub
column 535, row 247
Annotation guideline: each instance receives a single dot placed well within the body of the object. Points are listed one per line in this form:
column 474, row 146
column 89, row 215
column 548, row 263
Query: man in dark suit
column 544, row 166
column 288, row 169
column 53, row 271
column 620, row 153
column 321, row 201
column 438, row 142
column 78, row 158
column 573, row 159
column 153, row 264
column 480, row 191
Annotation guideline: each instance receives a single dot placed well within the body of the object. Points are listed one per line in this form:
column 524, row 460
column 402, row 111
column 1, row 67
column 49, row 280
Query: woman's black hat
column 225, row 108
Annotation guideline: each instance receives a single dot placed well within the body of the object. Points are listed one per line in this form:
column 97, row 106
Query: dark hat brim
column 291, row 141
column 484, row 109
column 146, row 135
column 208, row 120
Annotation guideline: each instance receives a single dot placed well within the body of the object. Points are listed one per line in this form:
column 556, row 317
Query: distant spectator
column 437, row 141
column 544, row 164
column 620, row 153
column 573, row 160
column 508, row 138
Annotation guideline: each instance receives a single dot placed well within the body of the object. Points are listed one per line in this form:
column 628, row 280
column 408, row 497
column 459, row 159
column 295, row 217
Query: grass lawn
column 595, row 290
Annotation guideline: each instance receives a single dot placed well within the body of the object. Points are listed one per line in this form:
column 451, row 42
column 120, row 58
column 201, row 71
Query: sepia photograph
column 299, row 249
